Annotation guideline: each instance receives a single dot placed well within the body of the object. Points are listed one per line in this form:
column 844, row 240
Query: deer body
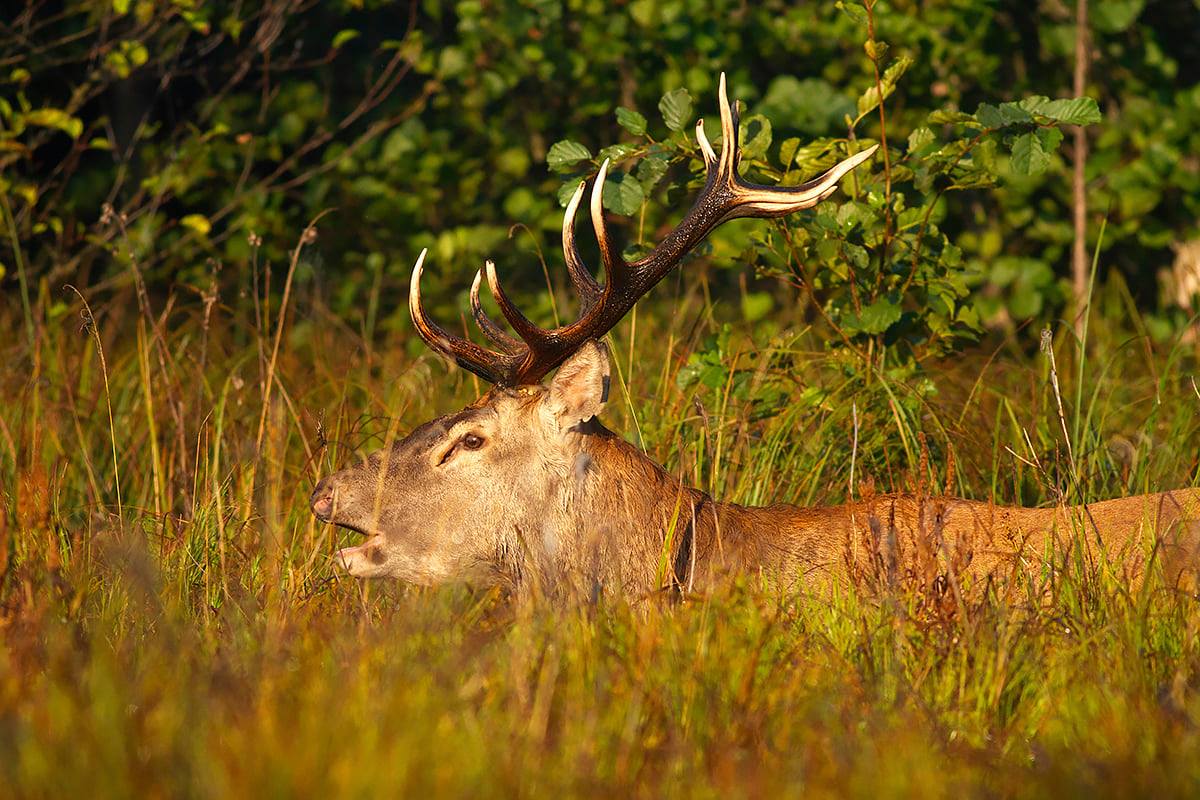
column 525, row 487
column 812, row 550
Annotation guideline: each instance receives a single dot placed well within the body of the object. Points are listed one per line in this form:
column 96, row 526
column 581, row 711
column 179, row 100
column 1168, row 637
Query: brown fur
column 798, row 549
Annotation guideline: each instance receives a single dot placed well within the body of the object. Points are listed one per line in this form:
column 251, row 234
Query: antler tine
column 492, row 367
column 752, row 200
column 615, row 269
column 730, row 154
column 530, row 333
column 589, row 291
column 710, row 156
column 490, row 329
column 777, row 201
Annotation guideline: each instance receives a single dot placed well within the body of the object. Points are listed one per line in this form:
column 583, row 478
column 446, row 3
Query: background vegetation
column 210, row 212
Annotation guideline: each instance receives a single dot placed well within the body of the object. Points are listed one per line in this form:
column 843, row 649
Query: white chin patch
column 364, row 560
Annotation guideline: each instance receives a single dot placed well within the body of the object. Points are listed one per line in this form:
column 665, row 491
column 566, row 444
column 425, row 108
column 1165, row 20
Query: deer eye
column 469, row 441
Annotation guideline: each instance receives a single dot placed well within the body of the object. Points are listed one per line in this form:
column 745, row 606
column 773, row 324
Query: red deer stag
column 526, row 487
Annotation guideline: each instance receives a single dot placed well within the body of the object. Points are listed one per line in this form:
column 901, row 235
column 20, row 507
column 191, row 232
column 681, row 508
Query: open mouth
column 346, row 555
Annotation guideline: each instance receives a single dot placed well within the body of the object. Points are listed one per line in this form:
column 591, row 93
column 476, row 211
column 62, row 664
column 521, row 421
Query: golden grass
column 170, row 622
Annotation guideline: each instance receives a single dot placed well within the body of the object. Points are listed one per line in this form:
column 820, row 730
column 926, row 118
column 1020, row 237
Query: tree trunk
column 1079, row 259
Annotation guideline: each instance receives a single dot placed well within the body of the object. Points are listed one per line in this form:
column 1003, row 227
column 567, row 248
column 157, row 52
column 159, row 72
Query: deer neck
column 618, row 521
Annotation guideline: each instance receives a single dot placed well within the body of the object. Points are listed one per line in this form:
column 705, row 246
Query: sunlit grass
column 194, row 639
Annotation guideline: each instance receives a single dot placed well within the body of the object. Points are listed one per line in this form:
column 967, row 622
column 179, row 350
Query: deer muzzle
column 322, row 500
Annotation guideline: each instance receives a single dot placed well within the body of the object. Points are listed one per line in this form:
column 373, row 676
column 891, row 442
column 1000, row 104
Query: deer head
column 460, row 496
column 515, row 477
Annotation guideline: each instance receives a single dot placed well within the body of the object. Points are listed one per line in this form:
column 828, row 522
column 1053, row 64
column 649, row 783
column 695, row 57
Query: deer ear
column 580, row 388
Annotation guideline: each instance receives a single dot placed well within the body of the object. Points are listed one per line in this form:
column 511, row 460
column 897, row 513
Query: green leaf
column 852, row 10
column 566, row 191
column 198, row 223
column 1051, row 138
column 136, row 52
column 945, row 116
column 990, row 116
column 756, row 305
column 343, row 36
column 650, row 171
column 755, row 135
column 623, row 194
column 566, row 154
column 197, row 20
column 1031, row 151
column 787, row 151
column 910, row 218
column 812, row 106
column 875, row 49
column 118, row 63
column 616, row 152
column 816, row 156
column 631, row 121
column 872, row 97
column 877, row 317
column 452, row 62
column 1031, row 103
column 676, row 108
column 858, row 257
column 1028, row 282
column 55, row 118
column 848, row 215
column 1074, row 111
column 1028, row 157
column 919, row 138
column 1114, row 16
column 972, row 179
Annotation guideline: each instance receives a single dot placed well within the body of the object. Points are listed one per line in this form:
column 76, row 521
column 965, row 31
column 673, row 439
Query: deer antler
column 725, row 196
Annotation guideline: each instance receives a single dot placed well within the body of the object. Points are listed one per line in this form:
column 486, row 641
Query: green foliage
column 631, row 121
column 433, row 134
column 881, row 266
column 436, row 134
column 676, row 109
column 566, row 154
column 623, row 194
column 886, row 278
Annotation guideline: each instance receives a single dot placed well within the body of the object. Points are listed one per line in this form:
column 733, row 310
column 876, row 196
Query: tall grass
column 170, row 622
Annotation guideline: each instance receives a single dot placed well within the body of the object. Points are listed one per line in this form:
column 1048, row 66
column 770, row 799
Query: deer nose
column 321, row 501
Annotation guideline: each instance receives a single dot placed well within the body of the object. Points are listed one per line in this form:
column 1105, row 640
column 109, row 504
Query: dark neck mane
column 653, row 514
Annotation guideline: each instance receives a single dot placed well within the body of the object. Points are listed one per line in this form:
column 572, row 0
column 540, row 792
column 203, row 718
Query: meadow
column 182, row 360
column 172, row 624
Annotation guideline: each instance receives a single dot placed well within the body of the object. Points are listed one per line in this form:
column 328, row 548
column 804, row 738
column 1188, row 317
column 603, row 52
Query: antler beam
column 725, row 196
